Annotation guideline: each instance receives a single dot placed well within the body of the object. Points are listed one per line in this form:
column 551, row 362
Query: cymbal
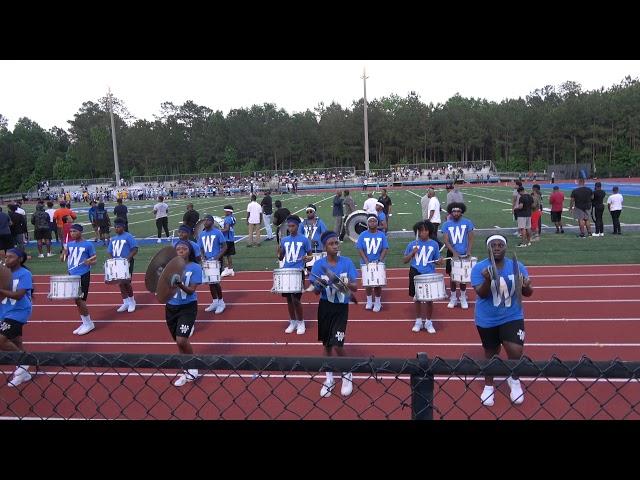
column 156, row 265
column 5, row 278
column 165, row 289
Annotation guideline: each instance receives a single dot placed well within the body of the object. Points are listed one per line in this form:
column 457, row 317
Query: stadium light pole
column 113, row 138
column 366, row 125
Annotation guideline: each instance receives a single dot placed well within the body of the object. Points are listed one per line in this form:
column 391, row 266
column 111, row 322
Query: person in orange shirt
column 58, row 217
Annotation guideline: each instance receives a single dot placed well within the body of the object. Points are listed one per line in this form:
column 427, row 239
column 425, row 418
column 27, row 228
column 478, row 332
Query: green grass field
column 487, row 207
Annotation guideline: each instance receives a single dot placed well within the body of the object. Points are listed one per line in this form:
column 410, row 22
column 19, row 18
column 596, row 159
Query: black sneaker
column 561, row 231
column 582, row 235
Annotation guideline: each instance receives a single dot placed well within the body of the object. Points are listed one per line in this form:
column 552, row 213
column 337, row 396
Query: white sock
column 419, row 320
column 463, row 293
column 125, row 301
column 132, row 301
column 86, row 319
column 453, row 294
column 329, row 377
column 220, row 300
column 378, row 300
column 369, row 298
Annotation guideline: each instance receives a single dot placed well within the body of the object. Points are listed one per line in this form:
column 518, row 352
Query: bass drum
column 355, row 224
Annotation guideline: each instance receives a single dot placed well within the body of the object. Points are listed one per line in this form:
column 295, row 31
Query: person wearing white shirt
column 161, row 211
column 431, row 210
column 370, row 204
column 254, row 219
column 614, row 204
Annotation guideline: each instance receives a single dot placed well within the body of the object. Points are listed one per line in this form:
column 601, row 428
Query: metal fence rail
column 140, row 386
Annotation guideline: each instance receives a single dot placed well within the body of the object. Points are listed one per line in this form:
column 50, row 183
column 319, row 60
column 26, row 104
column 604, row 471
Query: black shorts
column 332, row 323
column 412, row 286
column 42, row 234
column 295, row 295
column 448, row 263
column 507, row 332
column 556, row 216
column 85, row 281
column 231, row 249
column 131, row 263
column 6, row 242
column 11, row 328
column 181, row 319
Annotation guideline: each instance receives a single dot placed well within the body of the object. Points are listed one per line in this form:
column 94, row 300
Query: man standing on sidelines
column 536, row 213
column 338, row 212
column 597, row 209
column 431, row 211
column 267, row 211
column 123, row 245
column 523, row 213
column 92, row 219
column 41, row 231
column 556, row 200
column 190, row 218
column 161, row 211
column 254, row 219
column 370, row 204
column 580, row 205
column 121, row 211
column 386, row 201
column 614, row 204
column 279, row 217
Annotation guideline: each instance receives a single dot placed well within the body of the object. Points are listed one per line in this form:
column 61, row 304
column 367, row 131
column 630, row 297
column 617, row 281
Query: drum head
column 164, row 290
column 5, row 278
column 355, row 224
column 156, row 266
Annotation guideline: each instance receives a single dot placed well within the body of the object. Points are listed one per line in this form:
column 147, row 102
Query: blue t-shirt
column 211, row 242
column 194, row 245
column 427, row 252
column 372, row 245
column 229, row 235
column 458, row 233
column 120, row 246
column 191, row 276
column 294, row 249
column 18, row 310
column 313, row 232
column 500, row 307
column 78, row 253
column 92, row 214
column 381, row 217
column 344, row 268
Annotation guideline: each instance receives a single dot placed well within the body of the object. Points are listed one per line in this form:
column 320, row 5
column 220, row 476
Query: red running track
column 575, row 310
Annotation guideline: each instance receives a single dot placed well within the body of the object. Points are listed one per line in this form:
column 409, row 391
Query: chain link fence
column 136, row 386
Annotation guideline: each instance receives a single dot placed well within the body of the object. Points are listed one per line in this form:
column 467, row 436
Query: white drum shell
column 461, row 269
column 211, row 271
column 429, row 287
column 374, row 274
column 116, row 269
column 64, row 287
column 287, row 280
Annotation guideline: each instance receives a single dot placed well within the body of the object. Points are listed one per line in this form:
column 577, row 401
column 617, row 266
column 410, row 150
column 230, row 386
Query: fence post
column 422, row 391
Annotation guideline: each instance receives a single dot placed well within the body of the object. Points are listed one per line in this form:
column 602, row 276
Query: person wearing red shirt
column 556, row 199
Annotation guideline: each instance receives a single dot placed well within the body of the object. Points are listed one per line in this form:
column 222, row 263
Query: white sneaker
column 301, row 327
column 227, row 273
column 368, row 306
column 327, row 386
column 22, row 377
column 377, row 307
column 417, row 326
column 213, row 306
column 84, row 329
column 132, row 307
column 159, row 241
column 184, row 378
column 428, row 326
column 347, row 384
column 122, row 308
column 463, row 302
column 453, row 302
column 487, row 397
column 41, row 255
column 220, row 308
column 292, row 326
column 50, row 254
column 516, row 394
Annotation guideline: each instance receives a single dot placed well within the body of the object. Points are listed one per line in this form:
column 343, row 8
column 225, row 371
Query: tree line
column 551, row 125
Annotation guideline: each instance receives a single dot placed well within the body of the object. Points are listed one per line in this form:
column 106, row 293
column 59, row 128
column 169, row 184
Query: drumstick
column 494, row 269
column 517, row 277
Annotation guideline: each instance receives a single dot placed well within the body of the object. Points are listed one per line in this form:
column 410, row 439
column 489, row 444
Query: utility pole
column 366, row 125
column 113, row 138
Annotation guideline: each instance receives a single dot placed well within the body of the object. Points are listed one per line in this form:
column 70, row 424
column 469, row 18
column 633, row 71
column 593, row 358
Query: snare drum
column 211, row 271
column 287, row 280
column 461, row 269
column 116, row 270
column 64, row 287
column 374, row 274
column 429, row 287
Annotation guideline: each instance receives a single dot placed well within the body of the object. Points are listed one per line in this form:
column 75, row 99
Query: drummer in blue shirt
column 15, row 310
column 124, row 245
column 499, row 315
column 81, row 256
